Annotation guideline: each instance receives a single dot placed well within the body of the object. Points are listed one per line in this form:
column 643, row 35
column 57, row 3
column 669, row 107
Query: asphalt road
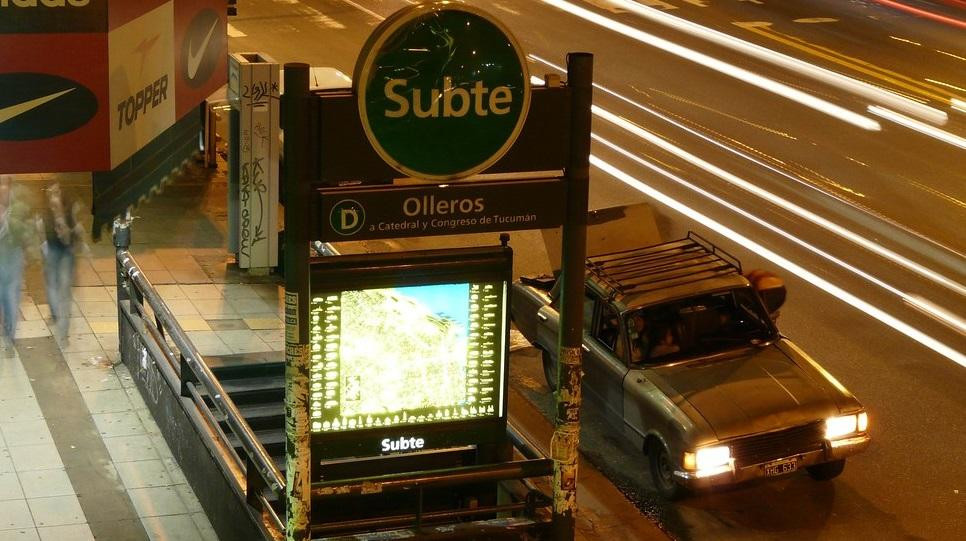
column 864, row 216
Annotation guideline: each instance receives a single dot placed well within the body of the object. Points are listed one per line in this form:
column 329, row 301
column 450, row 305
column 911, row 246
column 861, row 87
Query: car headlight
column 709, row 461
column 837, row 427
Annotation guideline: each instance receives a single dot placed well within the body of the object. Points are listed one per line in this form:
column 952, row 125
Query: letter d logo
column 347, row 217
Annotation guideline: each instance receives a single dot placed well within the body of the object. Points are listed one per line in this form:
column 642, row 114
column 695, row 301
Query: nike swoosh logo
column 194, row 58
column 13, row 111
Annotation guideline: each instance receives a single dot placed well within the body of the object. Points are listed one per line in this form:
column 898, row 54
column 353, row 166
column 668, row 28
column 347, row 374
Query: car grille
column 778, row 444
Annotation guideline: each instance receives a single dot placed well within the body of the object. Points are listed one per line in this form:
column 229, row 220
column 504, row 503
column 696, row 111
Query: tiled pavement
column 179, row 242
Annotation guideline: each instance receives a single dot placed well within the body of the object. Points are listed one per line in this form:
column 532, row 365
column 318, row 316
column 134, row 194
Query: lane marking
column 902, row 81
column 861, row 88
column 921, row 127
column 13, row 111
column 235, row 33
column 783, row 262
column 816, row 20
column 741, row 74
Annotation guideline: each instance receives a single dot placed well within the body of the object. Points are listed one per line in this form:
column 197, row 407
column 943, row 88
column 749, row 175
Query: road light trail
column 921, row 127
column 860, row 88
column 730, row 70
column 785, row 263
column 824, row 223
column 926, row 307
column 753, row 159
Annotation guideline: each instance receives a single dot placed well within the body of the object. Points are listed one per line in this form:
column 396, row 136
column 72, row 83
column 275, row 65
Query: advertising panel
column 54, row 110
column 409, row 352
column 200, row 49
column 142, row 78
column 53, row 16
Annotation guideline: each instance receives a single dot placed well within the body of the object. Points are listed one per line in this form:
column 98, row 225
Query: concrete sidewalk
column 179, row 240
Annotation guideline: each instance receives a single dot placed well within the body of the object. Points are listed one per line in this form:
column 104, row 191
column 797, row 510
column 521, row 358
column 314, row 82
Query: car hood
column 745, row 394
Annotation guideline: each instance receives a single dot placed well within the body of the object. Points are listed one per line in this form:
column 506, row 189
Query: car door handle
column 542, row 317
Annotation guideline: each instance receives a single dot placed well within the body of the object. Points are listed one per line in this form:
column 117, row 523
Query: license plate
column 781, row 468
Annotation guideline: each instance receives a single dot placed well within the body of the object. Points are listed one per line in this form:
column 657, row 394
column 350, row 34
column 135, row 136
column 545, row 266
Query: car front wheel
column 827, row 470
column 662, row 473
column 549, row 369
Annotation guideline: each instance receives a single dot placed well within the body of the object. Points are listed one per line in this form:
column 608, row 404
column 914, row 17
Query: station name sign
column 477, row 207
column 442, row 90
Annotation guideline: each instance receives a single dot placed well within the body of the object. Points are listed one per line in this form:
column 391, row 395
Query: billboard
column 141, row 81
column 52, row 16
column 87, row 83
column 54, row 112
column 409, row 353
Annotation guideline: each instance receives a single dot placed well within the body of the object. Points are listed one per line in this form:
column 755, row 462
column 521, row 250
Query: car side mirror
column 770, row 288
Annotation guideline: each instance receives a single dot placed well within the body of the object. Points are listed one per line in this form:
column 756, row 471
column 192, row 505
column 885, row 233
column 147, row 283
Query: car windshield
column 698, row 326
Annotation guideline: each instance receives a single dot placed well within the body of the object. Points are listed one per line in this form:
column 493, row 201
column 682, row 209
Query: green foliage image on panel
column 407, row 357
column 404, row 356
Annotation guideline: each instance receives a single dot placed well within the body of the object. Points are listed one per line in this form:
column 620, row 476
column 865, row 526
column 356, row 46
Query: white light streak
column 779, row 201
column 798, row 270
column 923, row 305
column 921, row 127
column 730, row 70
column 860, row 88
column 538, row 81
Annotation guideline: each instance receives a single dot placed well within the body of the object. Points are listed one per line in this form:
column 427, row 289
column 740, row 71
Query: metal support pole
column 566, row 436
column 298, row 484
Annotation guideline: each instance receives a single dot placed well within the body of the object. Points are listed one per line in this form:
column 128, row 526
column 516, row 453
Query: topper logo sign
column 442, row 90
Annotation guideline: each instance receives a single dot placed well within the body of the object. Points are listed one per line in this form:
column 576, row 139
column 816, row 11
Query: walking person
column 14, row 237
column 62, row 234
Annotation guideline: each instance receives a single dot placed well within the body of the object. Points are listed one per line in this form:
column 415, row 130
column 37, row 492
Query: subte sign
column 442, row 90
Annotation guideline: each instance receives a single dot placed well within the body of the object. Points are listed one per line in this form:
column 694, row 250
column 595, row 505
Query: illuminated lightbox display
column 414, row 355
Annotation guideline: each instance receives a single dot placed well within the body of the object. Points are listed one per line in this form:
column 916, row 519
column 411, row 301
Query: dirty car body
column 680, row 350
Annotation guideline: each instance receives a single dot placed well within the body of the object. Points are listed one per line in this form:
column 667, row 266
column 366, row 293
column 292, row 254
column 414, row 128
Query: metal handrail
column 204, row 377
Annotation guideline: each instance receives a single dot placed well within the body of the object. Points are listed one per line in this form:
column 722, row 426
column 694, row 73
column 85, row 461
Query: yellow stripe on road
column 896, row 79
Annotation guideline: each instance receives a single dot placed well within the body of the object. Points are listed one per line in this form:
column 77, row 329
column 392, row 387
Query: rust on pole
column 298, row 485
column 566, row 436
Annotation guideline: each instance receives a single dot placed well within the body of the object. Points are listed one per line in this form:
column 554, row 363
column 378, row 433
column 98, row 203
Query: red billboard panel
column 60, row 16
column 200, row 51
column 54, row 109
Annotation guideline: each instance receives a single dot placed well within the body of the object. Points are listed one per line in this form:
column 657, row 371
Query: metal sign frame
column 308, row 164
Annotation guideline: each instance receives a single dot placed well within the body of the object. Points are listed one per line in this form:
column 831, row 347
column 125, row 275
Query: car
column 682, row 351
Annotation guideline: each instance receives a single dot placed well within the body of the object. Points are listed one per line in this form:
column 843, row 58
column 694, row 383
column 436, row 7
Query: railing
column 143, row 315
column 142, row 312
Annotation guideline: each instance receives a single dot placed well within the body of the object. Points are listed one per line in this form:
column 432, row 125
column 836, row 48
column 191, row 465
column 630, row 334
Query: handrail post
column 122, row 242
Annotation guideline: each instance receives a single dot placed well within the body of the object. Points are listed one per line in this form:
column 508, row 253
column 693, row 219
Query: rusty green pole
column 298, row 485
column 566, row 436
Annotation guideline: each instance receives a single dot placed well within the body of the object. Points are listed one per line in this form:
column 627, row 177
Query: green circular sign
column 443, row 90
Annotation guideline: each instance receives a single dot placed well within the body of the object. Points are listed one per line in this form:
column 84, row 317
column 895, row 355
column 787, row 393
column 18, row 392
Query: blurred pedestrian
column 62, row 234
column 14, row 237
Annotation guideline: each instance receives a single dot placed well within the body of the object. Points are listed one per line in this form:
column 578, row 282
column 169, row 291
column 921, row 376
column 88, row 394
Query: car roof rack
column 673, row 263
